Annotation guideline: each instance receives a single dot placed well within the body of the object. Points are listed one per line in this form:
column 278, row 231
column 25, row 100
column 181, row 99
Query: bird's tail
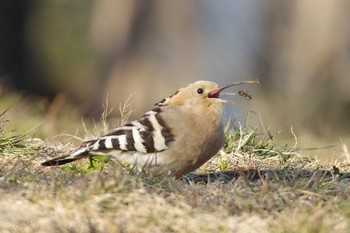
column 78, row 154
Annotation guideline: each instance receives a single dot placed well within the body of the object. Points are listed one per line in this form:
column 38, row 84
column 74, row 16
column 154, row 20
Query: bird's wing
column 149, row 134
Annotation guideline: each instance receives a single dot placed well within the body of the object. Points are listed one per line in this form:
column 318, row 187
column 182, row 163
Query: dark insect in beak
column 245, row 95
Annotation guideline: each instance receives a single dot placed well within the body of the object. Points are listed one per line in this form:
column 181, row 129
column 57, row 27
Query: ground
column 252, row 185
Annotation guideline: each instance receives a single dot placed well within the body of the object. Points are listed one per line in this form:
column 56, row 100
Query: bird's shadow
column 252, row 175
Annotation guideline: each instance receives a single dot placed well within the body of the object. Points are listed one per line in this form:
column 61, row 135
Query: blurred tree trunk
column 14, row 67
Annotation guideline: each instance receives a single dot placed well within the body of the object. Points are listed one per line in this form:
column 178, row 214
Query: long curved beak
column 216, row 93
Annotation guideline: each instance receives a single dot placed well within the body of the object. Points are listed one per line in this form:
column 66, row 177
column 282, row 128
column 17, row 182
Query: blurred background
column 59, row 59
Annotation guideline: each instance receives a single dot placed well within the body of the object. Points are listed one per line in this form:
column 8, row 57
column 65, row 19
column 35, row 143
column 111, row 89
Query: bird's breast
column 197, row 139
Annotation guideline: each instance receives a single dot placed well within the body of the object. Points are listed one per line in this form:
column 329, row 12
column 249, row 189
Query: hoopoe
column 176, row 137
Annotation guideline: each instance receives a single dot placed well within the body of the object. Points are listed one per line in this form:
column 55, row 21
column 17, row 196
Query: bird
column 181, row 133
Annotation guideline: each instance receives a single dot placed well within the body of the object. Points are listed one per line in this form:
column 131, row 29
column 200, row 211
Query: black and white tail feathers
column 78, row 154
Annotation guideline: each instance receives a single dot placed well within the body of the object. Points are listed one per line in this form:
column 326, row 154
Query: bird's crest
column 165, row 101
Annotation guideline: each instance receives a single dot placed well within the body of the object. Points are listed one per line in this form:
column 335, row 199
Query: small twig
column 105, row 114
column 266, row 130
column 295, row 138
column 125, row 110
column 69, row 135
column 4, row 112
column 346, row 152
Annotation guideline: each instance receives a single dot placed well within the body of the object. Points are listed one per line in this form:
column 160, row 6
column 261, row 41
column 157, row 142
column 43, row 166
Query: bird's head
column 200, row 93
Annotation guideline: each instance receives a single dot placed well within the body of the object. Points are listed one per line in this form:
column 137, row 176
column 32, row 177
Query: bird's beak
column 216, row 93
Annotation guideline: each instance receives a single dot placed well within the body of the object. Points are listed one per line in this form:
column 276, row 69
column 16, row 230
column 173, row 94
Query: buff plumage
column 180, row 134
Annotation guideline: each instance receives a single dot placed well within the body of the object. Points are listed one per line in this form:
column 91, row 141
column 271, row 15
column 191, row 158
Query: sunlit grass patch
column 246, row 148
column 252, row 185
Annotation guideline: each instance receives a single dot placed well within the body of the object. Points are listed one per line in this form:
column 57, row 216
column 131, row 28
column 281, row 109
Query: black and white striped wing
column 150, row 134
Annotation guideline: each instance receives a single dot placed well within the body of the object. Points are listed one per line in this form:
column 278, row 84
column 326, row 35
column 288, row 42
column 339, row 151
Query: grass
column 252, row 185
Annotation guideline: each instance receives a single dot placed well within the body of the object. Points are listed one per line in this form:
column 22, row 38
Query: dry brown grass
column 252, row 194
column 252, row 185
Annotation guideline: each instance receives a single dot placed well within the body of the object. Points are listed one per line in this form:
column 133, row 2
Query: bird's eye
column 199, row 90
